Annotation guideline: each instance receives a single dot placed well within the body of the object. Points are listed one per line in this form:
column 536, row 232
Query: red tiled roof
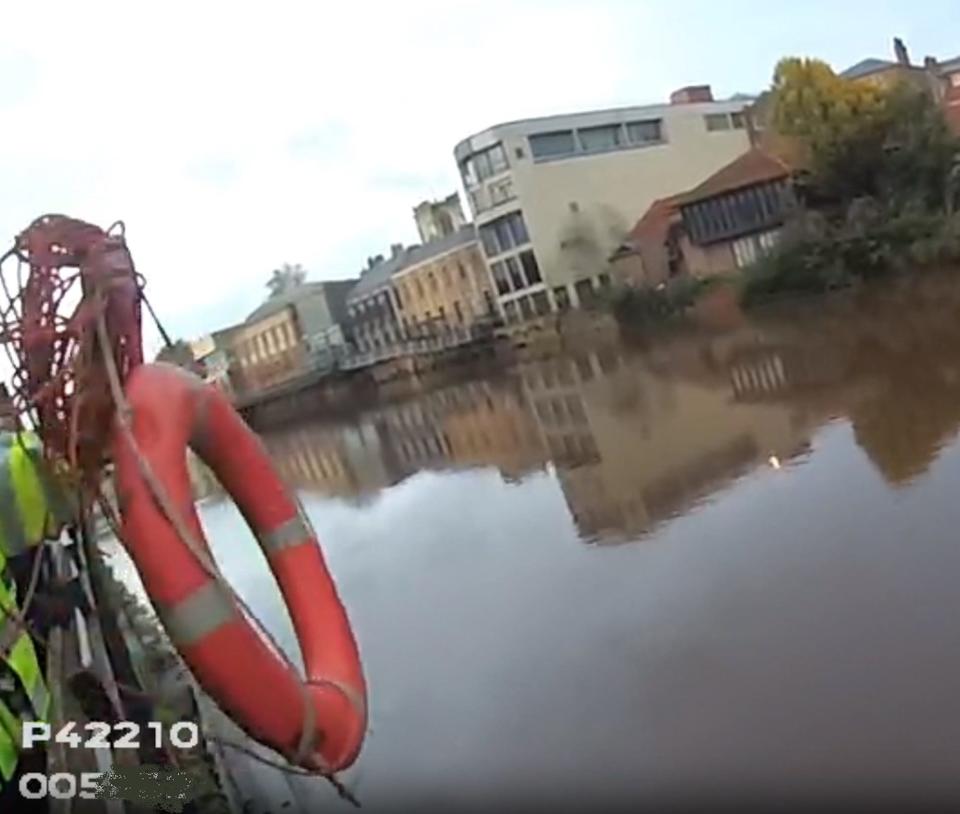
column 655, row 220
column 753, row 167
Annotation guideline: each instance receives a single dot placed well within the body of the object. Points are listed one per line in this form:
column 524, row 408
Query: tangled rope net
column 60, row 275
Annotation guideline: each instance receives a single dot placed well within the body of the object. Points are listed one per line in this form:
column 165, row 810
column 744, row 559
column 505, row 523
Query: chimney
column 395, row 249
column 901, row 51
column 690, row 94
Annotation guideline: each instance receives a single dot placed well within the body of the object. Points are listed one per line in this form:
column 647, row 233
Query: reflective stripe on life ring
column 172, row 409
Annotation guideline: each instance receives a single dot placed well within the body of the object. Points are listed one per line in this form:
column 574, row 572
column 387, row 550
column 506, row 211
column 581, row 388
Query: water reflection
column 640, row 435
column 777, row 631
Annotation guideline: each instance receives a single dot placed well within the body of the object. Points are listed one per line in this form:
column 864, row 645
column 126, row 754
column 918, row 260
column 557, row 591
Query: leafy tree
column 858, row 140
column 919, row 152
column 286, row 278
column 840, row 123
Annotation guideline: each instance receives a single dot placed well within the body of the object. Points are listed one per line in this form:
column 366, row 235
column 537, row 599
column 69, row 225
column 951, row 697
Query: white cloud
column 231, row 138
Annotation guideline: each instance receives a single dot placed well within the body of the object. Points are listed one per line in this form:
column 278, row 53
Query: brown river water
column 721, row 565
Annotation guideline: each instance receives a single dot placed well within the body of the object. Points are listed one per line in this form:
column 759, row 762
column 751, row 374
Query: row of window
column 406, row 287
column 494, row 194
column 737, row 212
column 559, row 411
column 597, row 139
column 374, row 305
column 423, row 448
column 573, row 450
column 483, row 165
column 582, row 140
column 524, row 308
column 309, row 464
column 375, row 335
column 724, row 121
column 266, row 344
column 504, row 233
column 747, row 250
column 516, row 273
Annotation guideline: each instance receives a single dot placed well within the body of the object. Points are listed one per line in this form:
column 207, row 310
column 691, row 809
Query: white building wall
column 578, row 209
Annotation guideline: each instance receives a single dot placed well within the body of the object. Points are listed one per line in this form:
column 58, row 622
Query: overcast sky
column 233, row 137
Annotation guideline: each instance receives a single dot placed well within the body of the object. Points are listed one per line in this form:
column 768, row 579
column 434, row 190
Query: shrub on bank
column 813, row 260
column 644, row 305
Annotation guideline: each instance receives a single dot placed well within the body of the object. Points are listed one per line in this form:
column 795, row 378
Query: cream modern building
column 553, row 197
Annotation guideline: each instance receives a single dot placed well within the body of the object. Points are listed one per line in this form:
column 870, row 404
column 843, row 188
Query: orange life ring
column 171, row 410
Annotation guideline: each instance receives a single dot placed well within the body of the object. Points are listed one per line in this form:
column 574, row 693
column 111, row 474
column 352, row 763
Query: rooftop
column 753, row 167
column 373, row 278
column 589, row 118
column 379, row 274
column 865, row 67
column 949, row 65
column 428, row 251
column 652, row 226
column 290, row 297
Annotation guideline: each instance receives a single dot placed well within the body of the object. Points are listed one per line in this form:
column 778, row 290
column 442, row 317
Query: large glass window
column 530, row 268
column 498, row 159
column 584, row 290
column 513, row 267
column 645, row 132
column 541, row 303
column 468, row 172
column 503, row 234
column 518, row 229
column 548, row 145
column 717, row 121
column 500, row 278
column 489, row 240
column 501, row 191
column 599, row 139
column 483, row 164
column 504, row 238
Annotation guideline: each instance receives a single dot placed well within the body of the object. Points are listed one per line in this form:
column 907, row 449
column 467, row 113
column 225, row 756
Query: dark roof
column 290, row 297
column 753, row 167
column 373, row 278
column 442, row 245
column 865, row 67
column 380, row 274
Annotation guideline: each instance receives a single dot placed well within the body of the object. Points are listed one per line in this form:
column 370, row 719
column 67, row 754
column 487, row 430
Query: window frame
column 540, row 138
column 639, row 123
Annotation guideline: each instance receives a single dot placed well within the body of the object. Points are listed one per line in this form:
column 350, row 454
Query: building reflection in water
column 630, row 447
column 639, row 436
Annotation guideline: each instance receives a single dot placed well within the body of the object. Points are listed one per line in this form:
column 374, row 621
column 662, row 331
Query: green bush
column 641, row 305
column 811, row 261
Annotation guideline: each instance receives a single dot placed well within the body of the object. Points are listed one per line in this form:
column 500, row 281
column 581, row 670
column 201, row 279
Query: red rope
column 48, row 327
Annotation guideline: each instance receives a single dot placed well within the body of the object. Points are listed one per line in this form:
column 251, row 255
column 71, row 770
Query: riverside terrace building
column 433, row 294
column 553, row 197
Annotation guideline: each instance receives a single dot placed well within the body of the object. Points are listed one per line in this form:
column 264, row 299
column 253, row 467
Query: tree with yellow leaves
column 840, row 125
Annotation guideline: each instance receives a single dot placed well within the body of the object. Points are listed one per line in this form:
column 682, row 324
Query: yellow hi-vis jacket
column 32, row 507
